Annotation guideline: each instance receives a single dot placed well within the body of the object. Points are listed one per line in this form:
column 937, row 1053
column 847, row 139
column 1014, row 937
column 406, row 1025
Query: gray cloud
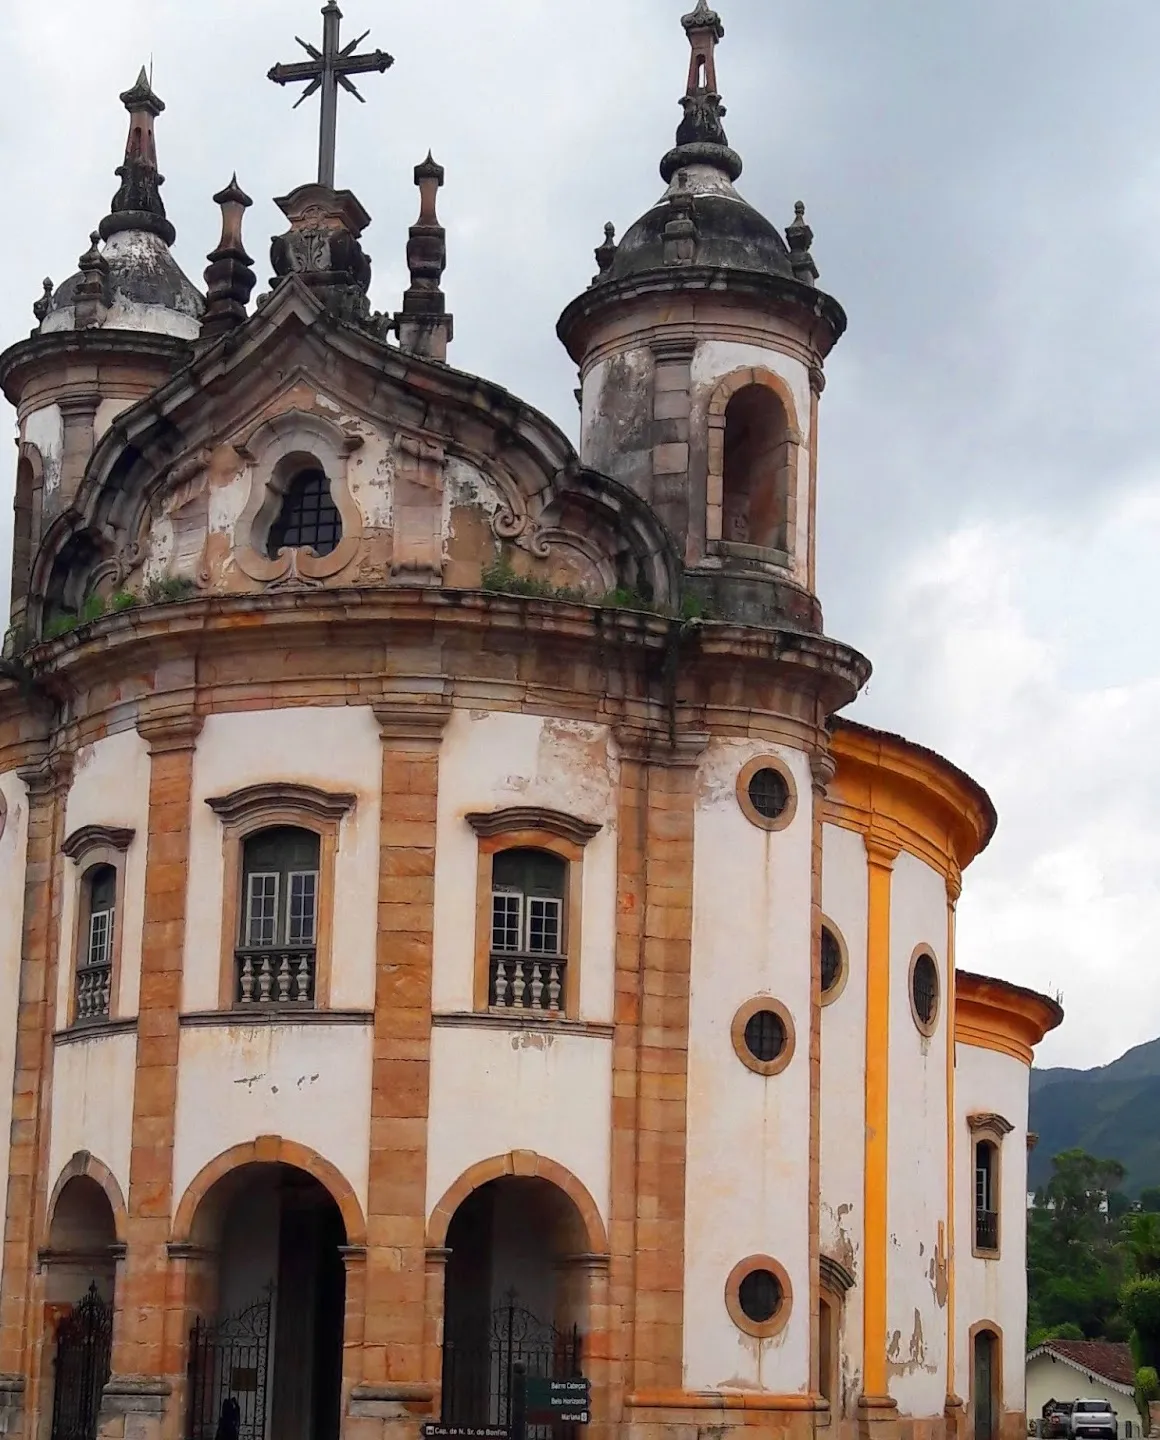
column 984, row 185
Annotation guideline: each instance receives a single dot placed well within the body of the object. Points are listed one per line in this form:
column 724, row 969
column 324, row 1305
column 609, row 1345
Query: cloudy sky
column 984, row 181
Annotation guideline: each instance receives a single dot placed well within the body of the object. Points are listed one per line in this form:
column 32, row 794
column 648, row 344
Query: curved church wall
column 92, row 1103
column 748, row 1169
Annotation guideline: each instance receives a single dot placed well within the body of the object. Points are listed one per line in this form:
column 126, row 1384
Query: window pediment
column 521, row 819
column 263, row 804
column 88, row 838
column 835, row 1275
column 986, row 1123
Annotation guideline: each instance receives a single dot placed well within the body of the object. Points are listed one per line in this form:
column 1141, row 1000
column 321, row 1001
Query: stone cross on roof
column 326, row 70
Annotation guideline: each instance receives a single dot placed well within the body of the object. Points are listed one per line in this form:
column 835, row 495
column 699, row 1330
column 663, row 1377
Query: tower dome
column 134, row 283
column 701, row 344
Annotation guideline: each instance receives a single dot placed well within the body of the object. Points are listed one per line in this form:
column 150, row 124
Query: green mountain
column 1112, row 1112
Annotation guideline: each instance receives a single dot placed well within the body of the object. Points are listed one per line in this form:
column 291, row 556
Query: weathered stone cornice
column 532, row 817
column 92, row 837
column 255, row 800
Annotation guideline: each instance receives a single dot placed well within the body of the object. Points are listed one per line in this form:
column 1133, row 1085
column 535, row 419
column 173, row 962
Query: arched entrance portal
column 81, row 1261
column 517, row 1293
column 266, row 1353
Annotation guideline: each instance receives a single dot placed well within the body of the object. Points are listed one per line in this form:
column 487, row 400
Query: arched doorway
column 81, row 1262
column 516, row 1294
column 267, row 1345
column 986, row 1382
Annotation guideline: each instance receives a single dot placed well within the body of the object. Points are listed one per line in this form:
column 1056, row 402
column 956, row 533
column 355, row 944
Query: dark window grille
column 831, row 960
column 986, row 1230
column 309, row 518
column 769, row 793
column 765, row 1036
column 925, row 989
column 759, row 1296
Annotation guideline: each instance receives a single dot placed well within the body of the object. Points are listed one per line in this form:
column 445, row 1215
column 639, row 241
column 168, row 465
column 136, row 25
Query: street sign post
column 567, row 1401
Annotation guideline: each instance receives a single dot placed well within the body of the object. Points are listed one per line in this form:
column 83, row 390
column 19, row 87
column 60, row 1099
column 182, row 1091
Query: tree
column 1140, row 1299
column 1074, row 1262
column 1150, row 1199
column 1141, row 1240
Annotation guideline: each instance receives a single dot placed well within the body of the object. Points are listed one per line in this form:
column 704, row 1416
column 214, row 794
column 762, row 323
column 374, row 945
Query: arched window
column 527, row 930
column 986, row 1196
column 94, row 974
column 757, row 480
column 279, row 931
column 308, row 519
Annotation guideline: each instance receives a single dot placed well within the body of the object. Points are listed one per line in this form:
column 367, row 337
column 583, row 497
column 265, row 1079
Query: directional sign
column 464, row 1432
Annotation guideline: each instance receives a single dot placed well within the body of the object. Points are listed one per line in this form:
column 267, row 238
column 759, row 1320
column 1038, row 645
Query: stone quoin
column 445, row 918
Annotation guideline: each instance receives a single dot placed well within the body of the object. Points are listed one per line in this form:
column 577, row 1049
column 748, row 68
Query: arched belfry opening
column 517, row 1293
column 269, row 1295
column 757, row 480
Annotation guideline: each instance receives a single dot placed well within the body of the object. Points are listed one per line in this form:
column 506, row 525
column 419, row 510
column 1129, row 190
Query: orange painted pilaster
column 880, row 858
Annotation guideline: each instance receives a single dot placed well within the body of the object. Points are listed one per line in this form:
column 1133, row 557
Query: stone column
column 395, row 1390
column 679, row 458
column 823, row 768
column 876, row 1410
column 144, row 1396
column 47, row 785
column 650, row 1065
column 79, row 412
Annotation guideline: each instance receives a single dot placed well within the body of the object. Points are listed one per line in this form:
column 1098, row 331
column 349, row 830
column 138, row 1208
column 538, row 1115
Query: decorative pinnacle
column 230, row 278
column 606, row 253
column 44, row 304
column 702, row 18
column 800, row 237
column 142, row 97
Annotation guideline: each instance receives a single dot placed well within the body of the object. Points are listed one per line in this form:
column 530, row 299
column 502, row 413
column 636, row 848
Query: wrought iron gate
column 478, row 1377
column 229, row 1365
column 84, row 1346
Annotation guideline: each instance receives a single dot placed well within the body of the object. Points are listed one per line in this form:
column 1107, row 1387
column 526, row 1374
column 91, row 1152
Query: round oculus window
column 769, row 793
column 765, row 1036
column 924, row 990
column 760, row 1296
column 831, row 960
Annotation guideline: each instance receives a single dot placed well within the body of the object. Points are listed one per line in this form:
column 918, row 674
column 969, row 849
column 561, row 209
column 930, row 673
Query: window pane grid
column 302, row 917
column 506, row 921
column 100, row 937
column 543, row 926
column 262, row 911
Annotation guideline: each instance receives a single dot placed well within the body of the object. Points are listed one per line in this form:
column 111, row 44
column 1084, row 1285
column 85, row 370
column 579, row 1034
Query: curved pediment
column 406, row 471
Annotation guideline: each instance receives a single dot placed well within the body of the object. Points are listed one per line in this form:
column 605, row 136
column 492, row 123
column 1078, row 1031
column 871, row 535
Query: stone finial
column 93, row 295
column 230, row 277
column 137, row 205
column 423, row 325
column 321, row 249
column 701, row 138
column 800, row 237
column 681, row 232
column 44, row 304
column 606, row 253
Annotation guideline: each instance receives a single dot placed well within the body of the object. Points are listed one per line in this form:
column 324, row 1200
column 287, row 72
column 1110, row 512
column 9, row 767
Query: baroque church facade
column 447, row 930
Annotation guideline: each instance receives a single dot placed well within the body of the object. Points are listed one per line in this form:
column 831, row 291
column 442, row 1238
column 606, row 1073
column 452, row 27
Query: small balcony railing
column 531, row 984
column 94, row 993
column 986, row 1230
column 282, row 976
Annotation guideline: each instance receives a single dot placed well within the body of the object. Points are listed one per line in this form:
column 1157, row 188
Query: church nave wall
column 748, row 1167
column 92, row 1103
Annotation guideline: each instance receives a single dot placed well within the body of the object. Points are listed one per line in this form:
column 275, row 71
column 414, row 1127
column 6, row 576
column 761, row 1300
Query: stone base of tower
column 138, row 1408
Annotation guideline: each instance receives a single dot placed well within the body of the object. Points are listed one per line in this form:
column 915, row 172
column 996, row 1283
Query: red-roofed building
column 1069, row 1370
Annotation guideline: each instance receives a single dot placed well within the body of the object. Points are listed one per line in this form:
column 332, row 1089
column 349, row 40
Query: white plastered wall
column 492, row 761
column 92, row 1104
column 110, row 787
column 991, row 1083
column 747, row 1175
column 917, row 1199
column 497, row 1091
column 45, row 429
column 1050, row 1378
column 843, row 1147
column 13, row 854
column 334, row 748
column 307, row 1083
column 716, row 359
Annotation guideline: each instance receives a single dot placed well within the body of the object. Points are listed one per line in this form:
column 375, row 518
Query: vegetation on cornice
column 499, row 578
